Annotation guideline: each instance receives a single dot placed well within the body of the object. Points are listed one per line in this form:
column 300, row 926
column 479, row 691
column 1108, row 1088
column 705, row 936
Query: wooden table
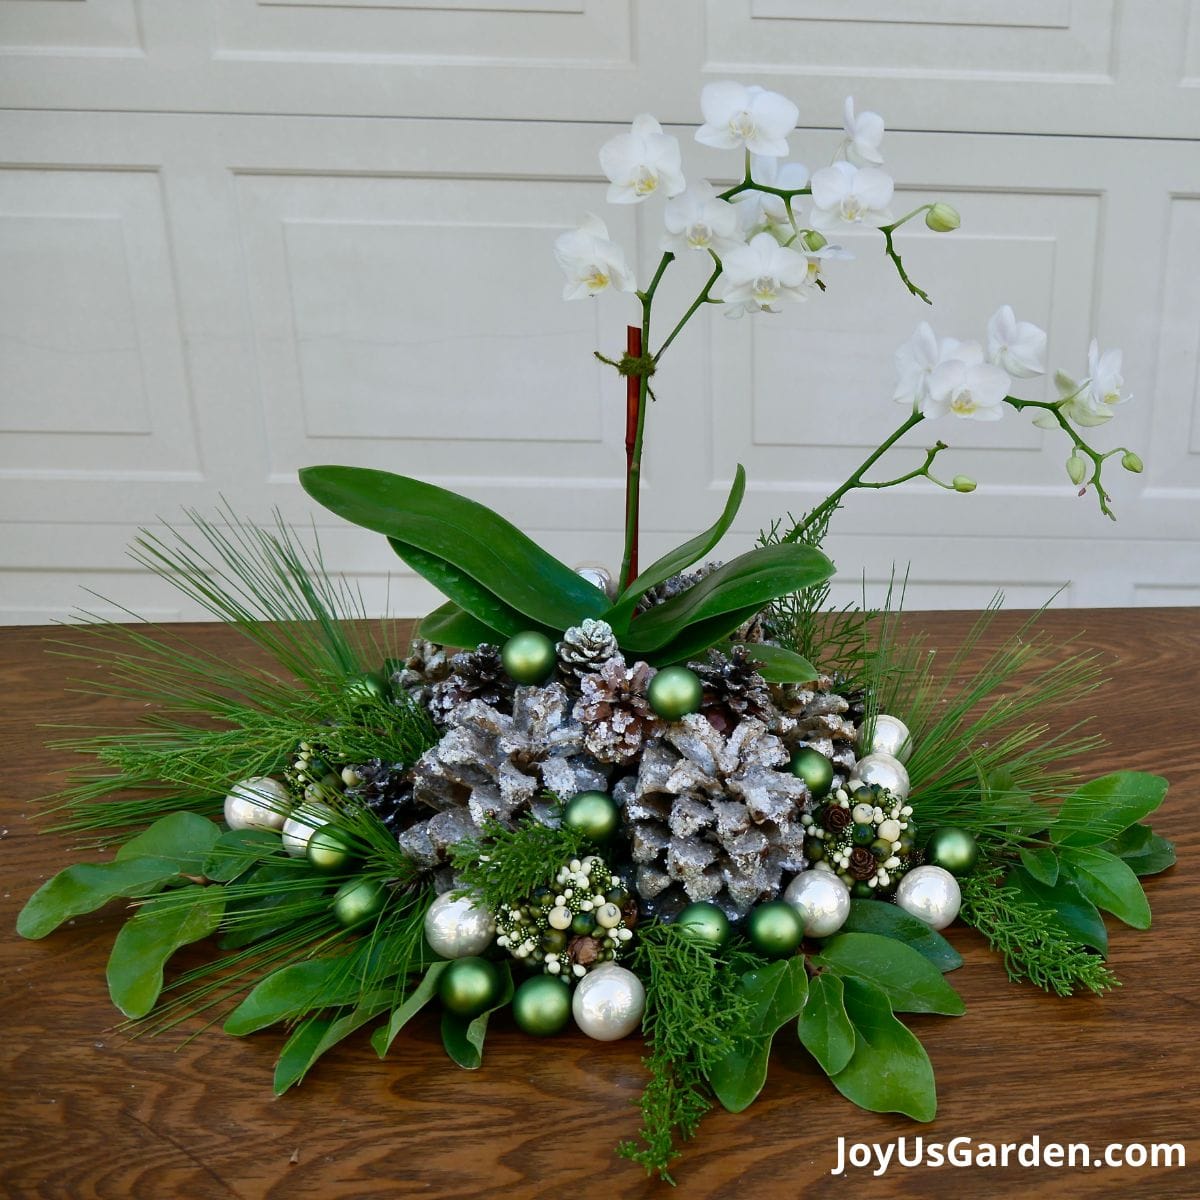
column 87, row 1112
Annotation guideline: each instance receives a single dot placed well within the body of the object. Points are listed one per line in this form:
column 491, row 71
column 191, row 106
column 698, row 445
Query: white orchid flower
column 864, row 133
column 846, row 195
column 759, row 211
column 1018, row 347
column 757, row 276
column 974, row 391
column 1089, row 402
column 642, row 162
column 592, row 263
column 700, row 220
column 818, row 258
column 735, row 115
column 919, row 356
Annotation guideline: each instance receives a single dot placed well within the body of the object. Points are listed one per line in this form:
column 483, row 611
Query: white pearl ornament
column 302, row 824
column 821, row 899
column 458, row 927
column 608, row 1003
column 884, row 770
column 888, row 735
column 257, row 803
column 930, row 894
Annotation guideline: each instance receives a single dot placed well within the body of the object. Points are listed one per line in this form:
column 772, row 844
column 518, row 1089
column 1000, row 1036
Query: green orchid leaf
column 314, row 1036
column 1103, row 808
column 679, row 559
column 779, row 665
column 748, row 581
column 420, row 996
column 777, row 994
column 463, row 1038
column 151, row 936
column 1108, row 883
column 295, row 990
column 469, row 536
column 184, row 837
column 909, row 980
column 450, row 626
column 695, row 639
column 86, row 887
column 237, row 850
column 1072, row 911
column 889, row 920
column 1142, row 848
column 825, row 1029
column 889, row 1070
column 1042, row 863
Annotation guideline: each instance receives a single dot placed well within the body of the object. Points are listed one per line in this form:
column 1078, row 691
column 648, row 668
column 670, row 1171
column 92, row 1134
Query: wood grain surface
column 86, row 1111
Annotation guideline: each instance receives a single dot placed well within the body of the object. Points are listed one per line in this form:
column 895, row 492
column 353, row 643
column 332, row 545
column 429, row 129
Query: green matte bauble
column 470, row 985
column 953, row 849
column 814, row 768
column 359, row 900
column 862, row 835
column 583, row 924
column 594, row 814
column 542, row 1005
column 529, row 657
column 329, row 849
column 368, row 687
column 861, row 891
column 674, row 692
column 775, row 929
column 705, row 923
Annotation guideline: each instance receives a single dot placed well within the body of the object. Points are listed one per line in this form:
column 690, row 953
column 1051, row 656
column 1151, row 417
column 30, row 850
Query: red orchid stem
column 633, row 347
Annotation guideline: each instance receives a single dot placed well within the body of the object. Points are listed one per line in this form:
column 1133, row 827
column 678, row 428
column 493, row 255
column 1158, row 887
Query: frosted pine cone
column 384, row 788
column 584, row 649
column 824, row 719
column 615, row 713
column 427, row 663
column 672, row 587
column 733, row 689
column 474, row 675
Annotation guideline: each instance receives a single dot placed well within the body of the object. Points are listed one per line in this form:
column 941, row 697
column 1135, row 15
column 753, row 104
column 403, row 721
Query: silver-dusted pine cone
column 615, row 712
column 733, row 689
column 824, row 719
column 491, row 764
column 474, row 675
column 714, row 817
column 672, row 587
column 584, row 649
column 427, row 663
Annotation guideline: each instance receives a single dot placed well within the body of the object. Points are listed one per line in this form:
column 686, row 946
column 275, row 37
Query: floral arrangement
column 691, row 798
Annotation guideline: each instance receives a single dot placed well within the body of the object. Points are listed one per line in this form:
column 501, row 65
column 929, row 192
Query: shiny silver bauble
column 883, row 770
column 457, row 927
column 257, row 803
column 931, row 895
column 303, row 823
column 888, row 735
column 608, row 1003
column 821, row 899
column 598, row 576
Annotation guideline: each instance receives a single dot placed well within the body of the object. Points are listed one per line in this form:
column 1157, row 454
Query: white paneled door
column 240, row 237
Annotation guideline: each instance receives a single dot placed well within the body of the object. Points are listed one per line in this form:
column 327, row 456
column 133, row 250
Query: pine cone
column 584, row 650
column 386, row 789
column 823, row 719
column 672, row 587
column 474, row 675
column 615, row 713
column 733, row 689
column 427, row 663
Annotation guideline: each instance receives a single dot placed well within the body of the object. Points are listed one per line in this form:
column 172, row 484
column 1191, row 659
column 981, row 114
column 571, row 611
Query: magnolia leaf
column 469, row 536
column 889, row 1070
column 236, row 851
column 1103, row 808
column 1042, row 863
column 1108, row 883
column 777, row 665
column 450, row 626
column 151, row 936
column 184, row 837
column 382, row 1039
column 777, row 994
column 825, row 1029
column 295, row 990
column 87, row 886
column 318, row 1034
column 909, row 980
column 1073, row 912
column 463, row 1038
column 1142, row 848
column 889, row 920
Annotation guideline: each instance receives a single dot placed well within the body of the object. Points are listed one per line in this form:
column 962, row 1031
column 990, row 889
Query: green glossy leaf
column 889, row 1070
column 1042, row 863
column 87, row 886
column 1144, row 851
column 748, row 581
column 469, row 536
column 1108, row 883
column 295, row 990
column 420, row 996
column 679, row 559
column 450, row 626
column 889, row 920
column 463, row 1038
column 151, row 936
column 695, row 639
column 779, row 665
column 183, row 837
column 824, row 1028
column 777, row 994
column 236, row 851
column 909, row 980
column 316, row 1035
column 1073, row 912
column 1101, row 809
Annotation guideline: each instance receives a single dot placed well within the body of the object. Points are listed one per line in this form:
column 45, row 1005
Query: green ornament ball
column 528, row 657
column 369, row 686
column 953, row 849
column 542, row 1006
column 594, row 814
column 358, row 900
column 704, row 923
column 329, row 849
column 862, row 835
column 814, row 768
column 775, row 929
column 469, row 986
column 674, row 692
column 583, row 924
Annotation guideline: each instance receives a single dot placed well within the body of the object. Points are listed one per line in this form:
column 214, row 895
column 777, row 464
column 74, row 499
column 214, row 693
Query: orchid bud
column 1076, row 468
column 964, row 483
column 941, row 218
column 813, row 240
column 1131, row 462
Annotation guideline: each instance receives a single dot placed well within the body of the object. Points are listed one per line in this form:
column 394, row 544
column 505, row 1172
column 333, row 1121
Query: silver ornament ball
column 821, row 899
column 458, row 927
column 608, row 1003
column 302, row 824
column 598, row 576
column 257, row 803
column 887, row 735
column 884, row 770
column 931, row 895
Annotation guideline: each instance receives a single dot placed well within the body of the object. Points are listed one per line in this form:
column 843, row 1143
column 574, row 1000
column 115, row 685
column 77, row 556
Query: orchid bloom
column 1018, row 347
column 864, row 133
column 967, row 387
column 845, row 195
column 915, row 363
column 1090, row 402
column 593, row 264
column 735, row 115
column 640, row 162
column 700, row 220
column 760, row 274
